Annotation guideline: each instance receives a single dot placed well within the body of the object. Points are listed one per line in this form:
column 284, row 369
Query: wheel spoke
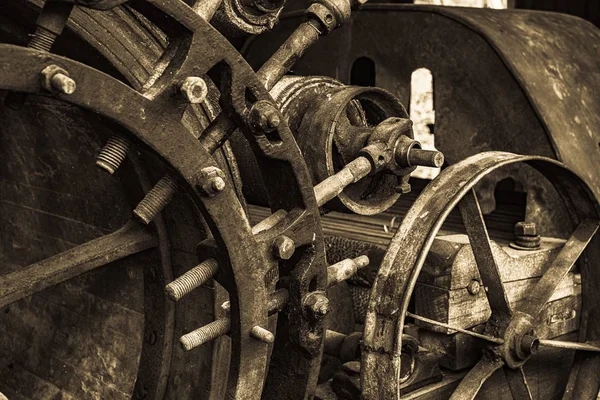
column 560, row 267
column 482, row 250
column 472, row 382
column 569, row 345
column 455, row 328
column 517, row 383
column 132, row 238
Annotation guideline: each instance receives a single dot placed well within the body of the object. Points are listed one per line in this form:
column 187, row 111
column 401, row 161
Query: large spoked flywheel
column 153, row 118
column 512, row 334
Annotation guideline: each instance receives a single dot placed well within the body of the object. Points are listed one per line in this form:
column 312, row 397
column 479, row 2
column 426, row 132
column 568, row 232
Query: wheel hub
column 520, row 341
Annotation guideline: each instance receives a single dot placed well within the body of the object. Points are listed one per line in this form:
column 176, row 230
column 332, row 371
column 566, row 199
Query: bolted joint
column 474, row 287
column 113, row 153
column 50, row 24
column 283, row 247
column 212, row 181
column 156, row 199
column 193, row 278
column 194, row 89
column 42, row 39
column 525, row 229
column 527, row 237
column 264, row 117
column 56, row 79
column 205, row 334
column 260, row 333
column 317, row 304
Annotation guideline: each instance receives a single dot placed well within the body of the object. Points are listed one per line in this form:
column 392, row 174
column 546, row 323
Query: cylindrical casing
column 313, row 107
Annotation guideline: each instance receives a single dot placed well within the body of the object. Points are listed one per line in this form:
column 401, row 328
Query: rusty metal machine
column 187, row 208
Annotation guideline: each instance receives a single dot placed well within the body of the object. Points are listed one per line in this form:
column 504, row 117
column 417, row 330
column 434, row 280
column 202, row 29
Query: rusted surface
column 402, row 264
column 130, row 239
column 159, row 132
column 494, row 86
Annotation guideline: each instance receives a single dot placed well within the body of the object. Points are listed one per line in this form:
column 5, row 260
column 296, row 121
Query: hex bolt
column 264, row 116
column 526, row 236
column 193, row 278
column 283, row 247
column 56, row 79
column 277, row 300
column 42, row 39
column 49, row 26
column 425, row 158
column 317, row 304
column 156, row 199
column 525, row 229
column 345, row 269
column 205, row 334
column 194, row 89
column 212, row 181
column 474, row 287
column 262, row 334
column 113, row 153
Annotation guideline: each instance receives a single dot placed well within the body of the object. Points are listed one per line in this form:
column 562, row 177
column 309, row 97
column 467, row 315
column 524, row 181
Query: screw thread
column 262, row 334
column 156, row 199
column 193, row 278
column 42, row 39
column 113, row 153
column 205, row 334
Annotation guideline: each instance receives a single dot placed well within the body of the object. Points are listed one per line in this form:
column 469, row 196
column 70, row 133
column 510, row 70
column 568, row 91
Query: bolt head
column 56, row 79
column 283, row 247
column 194, row 89
column 317, row 304
column 474, row 287
column 525, row 229
column 211, row 181
column 264, row 116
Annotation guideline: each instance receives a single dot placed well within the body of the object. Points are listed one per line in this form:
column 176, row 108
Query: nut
column 283, row 247
column 525, row 229
column 56, row 79
column 264, row 116
column 317, row 304
column 212, row 181
column 194, row 89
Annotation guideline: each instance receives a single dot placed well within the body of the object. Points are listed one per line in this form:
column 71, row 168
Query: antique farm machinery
column 169, row 217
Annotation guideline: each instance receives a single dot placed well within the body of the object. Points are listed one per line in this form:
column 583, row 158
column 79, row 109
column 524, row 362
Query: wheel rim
column 187, row 157
column 404, row 259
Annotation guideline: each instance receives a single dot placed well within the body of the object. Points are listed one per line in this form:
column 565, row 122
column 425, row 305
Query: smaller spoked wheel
column 512, row 334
